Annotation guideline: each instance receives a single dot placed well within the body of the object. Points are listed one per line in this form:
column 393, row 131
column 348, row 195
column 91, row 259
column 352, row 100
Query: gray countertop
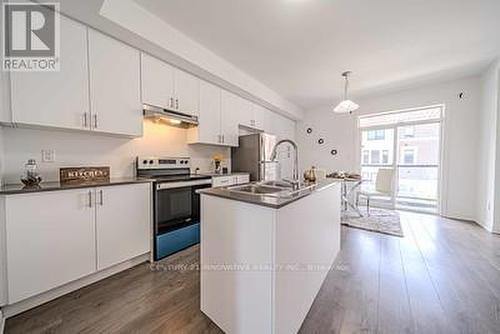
column 12, row 189
column 227, row 174
column 266, row 200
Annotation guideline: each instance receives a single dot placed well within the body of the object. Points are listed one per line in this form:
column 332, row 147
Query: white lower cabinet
column 122, row 223
column 50, row 240
column 230, row 180
column 53, row 238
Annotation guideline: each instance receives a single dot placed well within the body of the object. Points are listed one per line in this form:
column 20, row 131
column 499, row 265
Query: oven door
column 177, row 205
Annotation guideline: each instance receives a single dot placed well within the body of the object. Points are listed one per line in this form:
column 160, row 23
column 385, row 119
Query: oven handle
column 182, row 184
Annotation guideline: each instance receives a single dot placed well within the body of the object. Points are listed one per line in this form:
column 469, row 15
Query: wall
column 488, row 118
column 461, row 137
column 75, row 149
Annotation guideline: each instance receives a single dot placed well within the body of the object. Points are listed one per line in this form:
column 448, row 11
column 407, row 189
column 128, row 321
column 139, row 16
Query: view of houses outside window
column 412, row 149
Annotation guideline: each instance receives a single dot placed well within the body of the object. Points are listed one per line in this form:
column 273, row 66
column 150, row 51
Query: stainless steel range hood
column 169, row 117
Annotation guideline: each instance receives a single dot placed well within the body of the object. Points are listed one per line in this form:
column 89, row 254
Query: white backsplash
column 89, row 149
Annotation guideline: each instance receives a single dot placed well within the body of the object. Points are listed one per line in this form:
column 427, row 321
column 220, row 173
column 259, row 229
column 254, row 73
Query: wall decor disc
column 309, row 131
column 321, row 141
column 334, row 152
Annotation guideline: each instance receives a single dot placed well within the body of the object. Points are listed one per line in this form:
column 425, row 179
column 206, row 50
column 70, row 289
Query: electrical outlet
column 49, row 155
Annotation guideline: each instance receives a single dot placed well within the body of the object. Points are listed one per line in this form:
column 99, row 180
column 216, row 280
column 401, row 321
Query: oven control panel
column 162, row 163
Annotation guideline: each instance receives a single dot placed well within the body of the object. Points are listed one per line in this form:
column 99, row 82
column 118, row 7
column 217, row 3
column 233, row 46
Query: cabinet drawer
column 241, row 179
column 222, row 181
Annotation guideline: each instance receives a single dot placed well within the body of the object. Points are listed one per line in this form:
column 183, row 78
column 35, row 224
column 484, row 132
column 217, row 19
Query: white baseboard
column 24, row 305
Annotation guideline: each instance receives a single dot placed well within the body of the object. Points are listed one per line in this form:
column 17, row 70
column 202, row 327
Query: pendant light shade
column 346, row 106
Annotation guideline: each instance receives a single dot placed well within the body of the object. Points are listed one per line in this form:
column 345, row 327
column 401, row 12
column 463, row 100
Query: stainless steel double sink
column 269, row 188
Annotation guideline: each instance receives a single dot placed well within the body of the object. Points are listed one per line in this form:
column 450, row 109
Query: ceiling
column 299, row 48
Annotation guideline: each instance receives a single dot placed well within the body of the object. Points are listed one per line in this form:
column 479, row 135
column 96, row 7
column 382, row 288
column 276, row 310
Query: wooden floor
column 442, row 277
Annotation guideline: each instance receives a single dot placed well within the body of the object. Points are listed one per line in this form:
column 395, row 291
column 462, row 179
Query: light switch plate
column 49, row 155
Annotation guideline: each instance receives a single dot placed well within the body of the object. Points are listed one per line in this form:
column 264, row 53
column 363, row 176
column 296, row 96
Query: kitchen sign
column 82, row 175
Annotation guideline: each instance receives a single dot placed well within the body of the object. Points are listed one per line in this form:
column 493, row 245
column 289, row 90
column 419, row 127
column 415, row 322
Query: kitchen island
column 264, row 257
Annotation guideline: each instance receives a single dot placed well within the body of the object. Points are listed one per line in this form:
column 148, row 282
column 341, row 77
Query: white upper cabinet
column 5, row 114
column 209, row 129
column 157, row 82
column 114, row 86
column 232, row 109
column 245, row 112
column 123, row 223
column 56, row 99
column 50, row 240
column 262, row 118
column 187, row 93
column 168, row 87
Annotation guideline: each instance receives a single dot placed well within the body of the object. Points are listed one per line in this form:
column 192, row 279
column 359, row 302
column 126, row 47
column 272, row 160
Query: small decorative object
column 217, row 158
column 31, row 178
column 82, row 175
column 334, row 152
column 310, row 175
column 309, row 131
column 321, row 141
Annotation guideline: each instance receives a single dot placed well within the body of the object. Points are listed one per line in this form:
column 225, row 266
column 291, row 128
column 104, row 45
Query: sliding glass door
column 409, row 144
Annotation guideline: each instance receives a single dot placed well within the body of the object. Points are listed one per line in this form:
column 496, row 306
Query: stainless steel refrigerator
column 253, row 155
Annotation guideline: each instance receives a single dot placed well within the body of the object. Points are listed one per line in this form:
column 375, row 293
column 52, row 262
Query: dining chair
column 383, row 187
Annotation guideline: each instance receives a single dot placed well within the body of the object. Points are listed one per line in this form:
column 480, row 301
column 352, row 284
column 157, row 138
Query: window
column 408, row 132
column 409, row 156
column 366, row 157
column 375, row 155
column 385, row 156
column 376, row 135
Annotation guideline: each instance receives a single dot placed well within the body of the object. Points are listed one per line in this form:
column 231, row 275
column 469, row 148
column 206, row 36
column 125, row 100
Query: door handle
column 171, row 102
column 85, row 120
column 177, row 104
column 90, row 198
column 95, row 121
column 101, row 198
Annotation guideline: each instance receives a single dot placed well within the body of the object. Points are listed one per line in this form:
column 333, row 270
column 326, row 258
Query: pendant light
column 346, row 106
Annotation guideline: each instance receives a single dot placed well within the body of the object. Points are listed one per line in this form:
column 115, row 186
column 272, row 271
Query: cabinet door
column 50, row 240
column 123, row 223
column 262, row 118
column 157, row 82
column 223, row 181
column 5, row 115
column 57, row 99
column 246, row 113
column 114, row 86
column 231, row 114
column 187, row 93
column 208, row 131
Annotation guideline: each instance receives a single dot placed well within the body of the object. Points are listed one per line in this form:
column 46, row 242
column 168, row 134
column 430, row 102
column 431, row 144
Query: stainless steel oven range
column 176, row 204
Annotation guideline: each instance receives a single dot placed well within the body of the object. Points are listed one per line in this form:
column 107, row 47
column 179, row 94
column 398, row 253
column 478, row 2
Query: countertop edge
column 216, row 192
column 58, row 187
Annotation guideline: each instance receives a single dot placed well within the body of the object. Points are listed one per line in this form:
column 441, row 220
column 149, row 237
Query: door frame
column 440, row 205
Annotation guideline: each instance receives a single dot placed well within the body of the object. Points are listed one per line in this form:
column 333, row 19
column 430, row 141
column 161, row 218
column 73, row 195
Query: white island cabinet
column 262, row 265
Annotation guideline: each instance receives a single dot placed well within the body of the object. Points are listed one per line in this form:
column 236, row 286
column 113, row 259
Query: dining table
column 349, row 187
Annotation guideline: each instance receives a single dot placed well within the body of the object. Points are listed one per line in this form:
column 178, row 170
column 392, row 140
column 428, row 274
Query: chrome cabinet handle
column 85, row 120
column 95, row 121
column 171, row 102
column 90, row 198
column 177, row 104
column 101, row 198
column 223, row 139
